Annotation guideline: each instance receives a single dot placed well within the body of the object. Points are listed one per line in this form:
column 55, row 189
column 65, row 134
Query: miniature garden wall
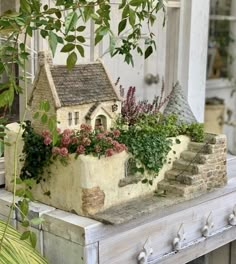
column 87, row 184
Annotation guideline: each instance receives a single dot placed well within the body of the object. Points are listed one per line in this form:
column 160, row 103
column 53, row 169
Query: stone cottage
column 85, row 94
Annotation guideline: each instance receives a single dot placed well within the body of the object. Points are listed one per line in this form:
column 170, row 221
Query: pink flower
column 58, row 130
column 65, row 139
column 67, row 132
column 80, row 149
column 63, row 151
column 97, row 148
column 55, row 150
column 82, row 126
column 100, row 136
column 106, row 132
column 86, row 127
column 119, row 147
column 109, row 152
column 47, row 140
column 86, row 141
column 74, row 140
column 109, row 140
column 46, row 133
column 116, row 133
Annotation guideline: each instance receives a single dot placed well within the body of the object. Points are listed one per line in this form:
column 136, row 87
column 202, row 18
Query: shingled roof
column 85, row 83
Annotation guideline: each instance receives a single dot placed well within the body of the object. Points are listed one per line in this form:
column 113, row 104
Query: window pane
column 219, row 56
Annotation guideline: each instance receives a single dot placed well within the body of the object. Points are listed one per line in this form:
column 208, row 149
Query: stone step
column 183, row 177
column 200, row 147
column 187, row 166
column 180, row 189
column 173, row 188
column 195, row 157
column 2, row 177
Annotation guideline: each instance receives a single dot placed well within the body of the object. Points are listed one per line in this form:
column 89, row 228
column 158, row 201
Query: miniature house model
column 82, row 95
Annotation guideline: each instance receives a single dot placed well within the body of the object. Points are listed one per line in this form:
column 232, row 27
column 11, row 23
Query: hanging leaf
column 80, row 50
column 25, row 235
column 70, row 22
column 122, row 25
column 52, row 39
column 44, row 119
column 68, row 47
column 148, row 52
column 25, row 6
column 132, row 17
column 71, row 60
column 80, row 28
column 70, row 38
column 81, row 39
column 135, row 2
column 33, row 239
column 54, row 138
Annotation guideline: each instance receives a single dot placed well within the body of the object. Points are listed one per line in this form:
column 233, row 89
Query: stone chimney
column 45, row 57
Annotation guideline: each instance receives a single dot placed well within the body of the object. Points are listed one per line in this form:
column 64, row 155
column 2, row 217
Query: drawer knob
column 206, row 230
column 232, row 217
column 145, row 253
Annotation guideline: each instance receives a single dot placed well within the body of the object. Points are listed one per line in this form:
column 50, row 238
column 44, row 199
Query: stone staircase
column 2, row 172
column 201, row 167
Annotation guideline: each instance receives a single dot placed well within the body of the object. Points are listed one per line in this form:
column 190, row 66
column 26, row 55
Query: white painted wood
column 199, row 249
column 172, row 46
column 71, row 227
column 193, row 52
column 58, row 250
column 162, row 231
column 223, row 18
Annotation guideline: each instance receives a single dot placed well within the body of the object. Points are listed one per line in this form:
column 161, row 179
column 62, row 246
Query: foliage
column 68, row 31
column 149, row 148
column 39, row 150
column 131, row 109
column 37, row 155
column 15, row 250
column 146, row 131
column 195, row 131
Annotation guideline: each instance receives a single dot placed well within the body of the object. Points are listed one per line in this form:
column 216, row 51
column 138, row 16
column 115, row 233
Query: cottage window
column 69, row 118
column 76, row 118
column 101, row 121
column 130, row 167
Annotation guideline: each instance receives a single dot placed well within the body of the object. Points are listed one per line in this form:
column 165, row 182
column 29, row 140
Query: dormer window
column 76, row 118
column 69, row 118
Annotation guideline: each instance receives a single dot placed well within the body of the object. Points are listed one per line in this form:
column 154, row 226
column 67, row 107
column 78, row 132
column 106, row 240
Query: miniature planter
column 88, row 185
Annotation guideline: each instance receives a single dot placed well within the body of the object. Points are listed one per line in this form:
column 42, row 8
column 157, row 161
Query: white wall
column 193, row 52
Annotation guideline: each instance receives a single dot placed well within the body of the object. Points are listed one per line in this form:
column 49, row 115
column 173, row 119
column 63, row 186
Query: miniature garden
column 84, row 148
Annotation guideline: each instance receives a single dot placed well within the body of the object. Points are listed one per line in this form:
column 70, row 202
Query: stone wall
column 201, row 167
